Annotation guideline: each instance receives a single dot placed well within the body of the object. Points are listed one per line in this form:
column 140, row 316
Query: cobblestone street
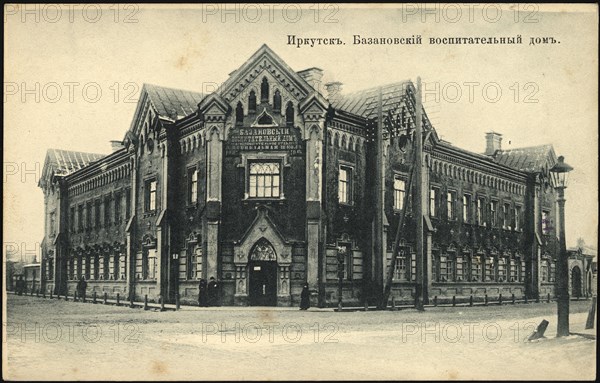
column 73, row 340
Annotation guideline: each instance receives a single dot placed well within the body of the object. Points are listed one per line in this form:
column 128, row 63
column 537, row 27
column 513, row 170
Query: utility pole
column 421, row 266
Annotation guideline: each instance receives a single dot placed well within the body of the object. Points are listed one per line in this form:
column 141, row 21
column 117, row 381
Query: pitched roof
column 530, row 159
column 170, row 102
column 364, row 102
column 64, row 162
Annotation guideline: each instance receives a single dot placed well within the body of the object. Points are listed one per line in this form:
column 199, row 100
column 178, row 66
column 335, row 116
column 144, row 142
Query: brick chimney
column 312, row 76
column 116, row 145
column 334, row 90
column 493, row 143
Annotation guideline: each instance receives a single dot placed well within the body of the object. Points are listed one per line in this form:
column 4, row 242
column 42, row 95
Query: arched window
column 239, row 114
column 252, row 102
column 263, row 251
column 289, row 114
column 277, row 102
column 264, row 90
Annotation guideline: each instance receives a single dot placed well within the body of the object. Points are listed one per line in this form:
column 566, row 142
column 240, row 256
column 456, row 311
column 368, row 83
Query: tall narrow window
column 96, row 266
column 345, row 185
column 432, row 202
column 239, row 114
column 289, row 114
column 460, row 273
column 97, row 213
column 494, row 213
column 50, row 269
column 263, row 180
column 544, row 270
column 277, row 102
column 399, row 193
column 106, row 264
column 107, row 211
column 545, row 222
column 264, row 90
column 117, row 209
column 127, row 203
column 517, row 217
column 466, row 208
column 72, row 219
column 502, row 272
column 190, row 262
column 192, row 186
column 514, row 264
column 489, row 269
column 80, row 217
column 150, row 195
column 88, row 264
column 476, row 268
column 480, row 206
column 88, row 216
column 400, row 271
column 252, row 102
column 450, row 198
column 506, row 218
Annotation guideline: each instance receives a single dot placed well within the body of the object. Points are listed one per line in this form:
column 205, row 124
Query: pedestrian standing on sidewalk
column 203, row 293
column 20, row 285
column 81, row 287
column 213, row 292
column 305, row 298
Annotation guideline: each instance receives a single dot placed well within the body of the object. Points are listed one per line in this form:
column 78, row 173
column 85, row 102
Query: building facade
column 263, row 183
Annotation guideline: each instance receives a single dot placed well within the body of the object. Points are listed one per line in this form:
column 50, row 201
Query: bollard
column 75, row 296
column 162, row 303
column 44, row 294
column 513, row 298
column 366, row 305
column 67, row 296
column 454, row 301
column 31, row 292
column 435, row 302
column 537, row 299
column 131, row 305
column 500, row 299
column 83, row 297
column 393, row 303
column 548, row 297
column 105, row 298
column 50, row 293
column 118, row 299
column 526, row 300
column 94, row 297
column 471, row 301
column 37, row 293
column 485, row 300
column 177, row 307
column 146, row 302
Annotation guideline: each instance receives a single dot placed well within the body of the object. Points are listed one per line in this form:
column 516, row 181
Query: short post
column 454, row 301
column 94, row 297
column 513, row 298
column 162, row 303
column 177, row 307
column 83, row 296
column 393, row 303
column 67, row 295
column 131, row 305
column 75, row 296
column 44, row 294
column 537, row 298
column 548, row 297
column 118, row 299
column 105, row 298
column 500, row 299
column 435, row 302
column 471, row 301
column 31, row 291
column 146, row 302
column 50, row 293
column 485, row 300
column 526, row 299
column 37, row 293
column 366, row 306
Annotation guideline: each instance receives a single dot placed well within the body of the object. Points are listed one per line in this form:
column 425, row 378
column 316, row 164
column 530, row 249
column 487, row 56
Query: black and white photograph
column 300, row 191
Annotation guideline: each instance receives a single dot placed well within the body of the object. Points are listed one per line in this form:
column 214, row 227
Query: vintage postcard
column 296, row 191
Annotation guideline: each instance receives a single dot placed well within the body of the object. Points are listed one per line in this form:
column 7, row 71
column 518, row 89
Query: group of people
column 208, row 293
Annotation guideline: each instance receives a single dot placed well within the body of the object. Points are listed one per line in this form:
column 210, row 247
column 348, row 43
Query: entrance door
column 576, row 280
column 263, row 283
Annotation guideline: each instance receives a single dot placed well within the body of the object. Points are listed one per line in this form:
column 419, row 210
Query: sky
column 72, row 76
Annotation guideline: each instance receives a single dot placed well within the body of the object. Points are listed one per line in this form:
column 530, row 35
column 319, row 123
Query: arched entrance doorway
column 262, row 270
column 576, row 281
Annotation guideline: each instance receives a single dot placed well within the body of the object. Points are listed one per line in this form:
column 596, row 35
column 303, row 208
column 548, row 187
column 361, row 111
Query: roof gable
column 60, row 162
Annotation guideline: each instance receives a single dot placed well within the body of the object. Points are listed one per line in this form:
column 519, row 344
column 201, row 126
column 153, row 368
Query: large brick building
column 261, row 183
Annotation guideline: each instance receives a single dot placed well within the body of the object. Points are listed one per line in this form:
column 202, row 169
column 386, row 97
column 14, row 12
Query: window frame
column 466, row 208
column 349, row 195
column 250, row 175
column 451, row 204
column 149, row 206
column 399, row 194
column 192, row 185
